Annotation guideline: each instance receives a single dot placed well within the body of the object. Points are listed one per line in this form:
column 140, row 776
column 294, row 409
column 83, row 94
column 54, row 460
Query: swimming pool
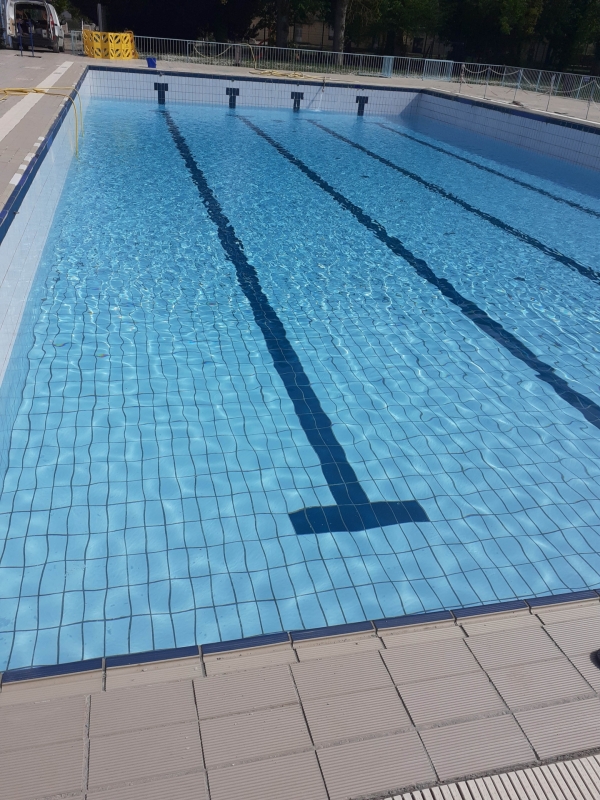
column 295, row 370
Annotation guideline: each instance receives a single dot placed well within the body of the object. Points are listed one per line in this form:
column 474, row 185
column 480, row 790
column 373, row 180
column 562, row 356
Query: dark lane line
column 524, row 184
column 587, row 272
column 489, row 326
column 353, row 510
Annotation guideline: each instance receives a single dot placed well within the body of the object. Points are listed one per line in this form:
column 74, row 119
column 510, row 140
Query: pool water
column 296, row 370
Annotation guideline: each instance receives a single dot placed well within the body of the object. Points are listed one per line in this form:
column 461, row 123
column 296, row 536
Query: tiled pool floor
column 263, row 318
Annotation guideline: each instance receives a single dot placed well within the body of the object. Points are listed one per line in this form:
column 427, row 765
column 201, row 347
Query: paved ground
column 333, row 718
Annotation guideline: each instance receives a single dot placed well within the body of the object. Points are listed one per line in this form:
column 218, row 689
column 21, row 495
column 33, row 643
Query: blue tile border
column 152, row 655
column 52, row 670
column 13, row 204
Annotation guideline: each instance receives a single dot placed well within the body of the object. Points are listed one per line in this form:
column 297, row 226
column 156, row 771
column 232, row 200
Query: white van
column 27, row 19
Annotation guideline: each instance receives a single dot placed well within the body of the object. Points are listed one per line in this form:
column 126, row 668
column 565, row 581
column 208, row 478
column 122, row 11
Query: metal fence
column 76, row 42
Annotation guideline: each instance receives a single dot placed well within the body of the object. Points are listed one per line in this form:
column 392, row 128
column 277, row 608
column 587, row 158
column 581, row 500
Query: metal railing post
column 518, row 86
column 487, row 80
column 550, row 95
column 590, row 99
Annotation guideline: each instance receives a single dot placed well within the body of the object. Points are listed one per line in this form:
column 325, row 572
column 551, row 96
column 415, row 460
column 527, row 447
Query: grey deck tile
column 563, row 729
column 450, row 698
column 258, row 734
column 378, row 765
column 568, row 612
column 477, row 746
column 509, row 647
column 576, row 637
column 152, row 752
column 33, row 724
column 141, row 707
column 55, row 769
column 418, row 662
column 417, row 634
column 328, row 677
column 252, row 658
column 475, row 626
column 176, row 787
column 539, row 682
column 359, row 714
column 155, row 672
column 234, row 693
column 293, row 777
column 329, row 647
column 41, row 689
column 589, row 669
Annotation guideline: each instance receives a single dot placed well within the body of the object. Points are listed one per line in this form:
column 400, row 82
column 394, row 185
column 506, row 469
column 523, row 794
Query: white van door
column 58, row 34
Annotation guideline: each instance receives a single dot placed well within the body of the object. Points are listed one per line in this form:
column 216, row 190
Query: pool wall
column 257, row 92
column 568, row 140
column 572, row 141
column 25, row 222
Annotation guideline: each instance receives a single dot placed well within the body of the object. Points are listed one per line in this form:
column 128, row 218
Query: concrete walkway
column 336, row 717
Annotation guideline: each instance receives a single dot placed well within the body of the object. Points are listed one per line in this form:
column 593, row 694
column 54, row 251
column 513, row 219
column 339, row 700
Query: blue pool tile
column 156, row 456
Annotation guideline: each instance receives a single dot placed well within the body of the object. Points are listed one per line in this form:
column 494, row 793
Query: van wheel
column 55, row 47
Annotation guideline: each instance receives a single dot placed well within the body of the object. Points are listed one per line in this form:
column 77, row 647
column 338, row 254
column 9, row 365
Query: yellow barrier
column 97, row 44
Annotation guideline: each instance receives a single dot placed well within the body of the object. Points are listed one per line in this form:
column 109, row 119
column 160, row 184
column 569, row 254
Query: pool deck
column 373, row 713
column 367, row 714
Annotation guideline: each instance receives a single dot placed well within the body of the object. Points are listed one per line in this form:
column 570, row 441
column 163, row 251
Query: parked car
column 32, row 19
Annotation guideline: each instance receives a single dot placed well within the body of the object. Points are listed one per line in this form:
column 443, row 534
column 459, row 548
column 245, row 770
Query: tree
column 339, row 25
column 490, row 30
column 282, row 25
column 568, row 26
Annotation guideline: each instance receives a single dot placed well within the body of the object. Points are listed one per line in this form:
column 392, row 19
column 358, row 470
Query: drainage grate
column 562, row 780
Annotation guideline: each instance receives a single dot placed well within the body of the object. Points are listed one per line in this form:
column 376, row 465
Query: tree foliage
column 500, row 31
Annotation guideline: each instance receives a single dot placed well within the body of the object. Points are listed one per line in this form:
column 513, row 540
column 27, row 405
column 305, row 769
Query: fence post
column 462, row 77
column 590, row 98
column 579, row 88
column 487, row 80
column 537, row 86
column 551, row 88
column 518, row 86
column 387, row 66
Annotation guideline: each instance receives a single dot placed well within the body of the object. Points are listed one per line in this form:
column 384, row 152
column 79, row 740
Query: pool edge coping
column 455, row 616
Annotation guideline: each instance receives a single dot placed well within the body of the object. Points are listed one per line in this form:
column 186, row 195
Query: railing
column 76, row 42
column 503, row 83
